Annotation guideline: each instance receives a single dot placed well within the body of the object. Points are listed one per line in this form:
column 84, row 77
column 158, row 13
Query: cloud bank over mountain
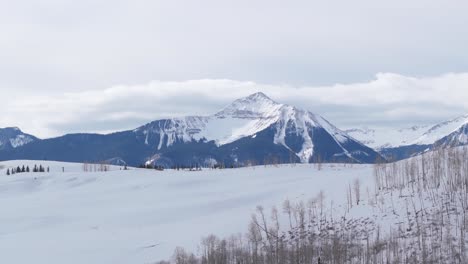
column 388, row 100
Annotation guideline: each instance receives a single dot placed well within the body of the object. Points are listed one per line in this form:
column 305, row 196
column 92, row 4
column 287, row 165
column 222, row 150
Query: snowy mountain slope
column 380, row 138
column 13, row 137
column 384, row 138
column 244, row 117
column 442, row 130
column 458, row 137
column 248, row 116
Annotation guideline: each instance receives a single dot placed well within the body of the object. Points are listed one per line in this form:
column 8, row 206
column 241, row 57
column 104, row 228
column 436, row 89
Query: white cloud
column 389, row 99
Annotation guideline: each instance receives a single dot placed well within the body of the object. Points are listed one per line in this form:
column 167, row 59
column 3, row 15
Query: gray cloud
column 388, row 100
column 56, row 46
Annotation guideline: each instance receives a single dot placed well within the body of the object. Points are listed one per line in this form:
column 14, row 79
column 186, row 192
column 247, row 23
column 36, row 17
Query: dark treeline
column 23, row 169
column 431, row 226
column 271, row 160
column 150, row 166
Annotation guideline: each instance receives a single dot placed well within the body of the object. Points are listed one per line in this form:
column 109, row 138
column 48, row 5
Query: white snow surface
column 140, row 216
column 242, row 118
column 379, row 138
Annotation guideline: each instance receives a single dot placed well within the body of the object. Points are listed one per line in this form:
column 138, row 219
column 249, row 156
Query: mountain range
column 397, row 144
column 251, row 130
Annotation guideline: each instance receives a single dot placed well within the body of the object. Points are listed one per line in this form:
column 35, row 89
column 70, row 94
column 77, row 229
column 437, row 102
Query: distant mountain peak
column 258, row 96
column 256, row 105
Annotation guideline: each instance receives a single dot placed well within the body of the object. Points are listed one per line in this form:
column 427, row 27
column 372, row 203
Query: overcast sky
column 100, row 66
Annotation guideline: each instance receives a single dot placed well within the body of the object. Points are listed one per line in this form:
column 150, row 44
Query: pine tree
column 23, row 169
column 8, row 172
column 27, row 169
column 18, row 169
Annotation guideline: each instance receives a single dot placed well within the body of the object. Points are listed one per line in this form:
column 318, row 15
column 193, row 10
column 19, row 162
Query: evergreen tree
column 27, row 169
column 23, row 169
column 18, row 169
column 8, row 172
column 35, row 168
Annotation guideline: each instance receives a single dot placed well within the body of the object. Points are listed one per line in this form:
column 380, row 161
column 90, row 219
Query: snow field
column 140, row 216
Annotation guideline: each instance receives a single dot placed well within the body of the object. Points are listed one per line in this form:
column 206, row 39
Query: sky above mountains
column 70, row 66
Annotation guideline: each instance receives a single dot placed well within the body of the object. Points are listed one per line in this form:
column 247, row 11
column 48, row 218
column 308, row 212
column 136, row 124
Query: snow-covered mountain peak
column 256, row 105
column 257, row 117
column 256, row 97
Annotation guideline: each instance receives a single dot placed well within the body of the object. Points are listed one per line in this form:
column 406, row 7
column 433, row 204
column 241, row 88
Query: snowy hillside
column 414, row 207
column 139, row 216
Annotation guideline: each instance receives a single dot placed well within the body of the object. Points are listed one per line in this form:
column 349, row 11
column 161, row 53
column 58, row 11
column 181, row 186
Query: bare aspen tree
column 180, row 256
column 357, row 190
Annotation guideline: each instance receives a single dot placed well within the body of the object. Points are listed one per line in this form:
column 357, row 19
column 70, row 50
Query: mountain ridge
column 402, row 143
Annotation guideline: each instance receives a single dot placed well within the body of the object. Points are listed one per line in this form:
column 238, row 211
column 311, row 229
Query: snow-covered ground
column 140, row 216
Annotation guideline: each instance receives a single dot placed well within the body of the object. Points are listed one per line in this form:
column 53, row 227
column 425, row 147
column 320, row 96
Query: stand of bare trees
column 434, row 186
column 313, row 236
column 93, row 167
